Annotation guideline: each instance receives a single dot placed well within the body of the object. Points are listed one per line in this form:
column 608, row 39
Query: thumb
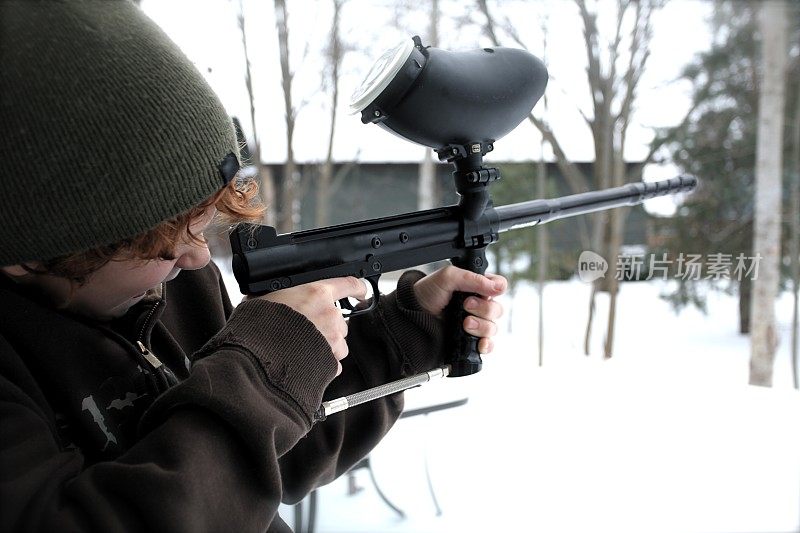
column 466, row 281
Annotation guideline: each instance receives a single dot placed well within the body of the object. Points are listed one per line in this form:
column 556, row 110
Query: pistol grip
column 462, row 348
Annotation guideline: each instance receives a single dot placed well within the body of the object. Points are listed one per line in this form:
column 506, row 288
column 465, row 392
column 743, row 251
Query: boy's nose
column 196, row 256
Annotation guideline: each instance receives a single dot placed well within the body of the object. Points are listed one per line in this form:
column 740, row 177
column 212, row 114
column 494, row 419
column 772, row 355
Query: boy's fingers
column 488, row 309
column 479, row 327
column 340, row 349
column 485, row 346
column 346, row 287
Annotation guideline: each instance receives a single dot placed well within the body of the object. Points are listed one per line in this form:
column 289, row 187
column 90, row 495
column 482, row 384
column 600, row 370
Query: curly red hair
column 237, row 202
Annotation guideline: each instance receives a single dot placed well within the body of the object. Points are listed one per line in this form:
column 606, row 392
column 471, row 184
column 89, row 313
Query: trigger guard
column 345, row 303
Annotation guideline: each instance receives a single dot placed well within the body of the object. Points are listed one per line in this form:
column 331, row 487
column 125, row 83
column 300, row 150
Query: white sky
column 212, row 40
column 207, row 31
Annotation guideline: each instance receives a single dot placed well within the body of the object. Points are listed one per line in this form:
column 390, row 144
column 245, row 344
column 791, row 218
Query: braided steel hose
column 345, row 402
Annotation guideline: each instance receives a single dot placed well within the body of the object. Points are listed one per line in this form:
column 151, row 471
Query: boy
column 132, row 395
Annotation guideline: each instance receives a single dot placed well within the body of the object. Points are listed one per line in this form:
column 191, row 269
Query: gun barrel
column 541, row 211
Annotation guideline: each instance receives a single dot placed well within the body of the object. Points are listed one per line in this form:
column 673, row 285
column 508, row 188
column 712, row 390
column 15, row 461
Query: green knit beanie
column 106, row 128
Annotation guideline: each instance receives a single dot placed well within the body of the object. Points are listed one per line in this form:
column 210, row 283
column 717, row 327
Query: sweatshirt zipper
column 145, row 351
column 146, row 322
column 150, row 356
column 161, row 373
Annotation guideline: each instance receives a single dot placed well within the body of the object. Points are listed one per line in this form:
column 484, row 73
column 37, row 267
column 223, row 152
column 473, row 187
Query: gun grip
column 462, row 348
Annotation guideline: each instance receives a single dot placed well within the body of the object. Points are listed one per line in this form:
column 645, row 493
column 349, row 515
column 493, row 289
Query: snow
column 666, row 436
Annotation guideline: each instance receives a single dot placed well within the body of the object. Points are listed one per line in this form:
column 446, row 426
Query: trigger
column 372, row 292
column 344, row 303
column 371, row 288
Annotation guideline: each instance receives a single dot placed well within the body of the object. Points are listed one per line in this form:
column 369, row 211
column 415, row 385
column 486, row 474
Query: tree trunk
column 542, row 249
column 794, row 242
column 326, row 173
column 745, row 298
column 266, row 189
column 287, row 215
column 616, row 230
column 603, row 133
column 426, row 190
column 427, row 197
column 542, row 242
column 768, row 191
column 324, row 194
column 588, row 334
column 602, row 234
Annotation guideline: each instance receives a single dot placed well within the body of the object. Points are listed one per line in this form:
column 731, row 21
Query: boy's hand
column 317, row 302
column 435, row 290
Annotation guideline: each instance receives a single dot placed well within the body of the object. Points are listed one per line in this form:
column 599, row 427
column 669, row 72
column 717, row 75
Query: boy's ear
column 15, row 270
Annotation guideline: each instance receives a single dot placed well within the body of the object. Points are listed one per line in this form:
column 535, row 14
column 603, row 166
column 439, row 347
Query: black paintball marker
column 459, row 104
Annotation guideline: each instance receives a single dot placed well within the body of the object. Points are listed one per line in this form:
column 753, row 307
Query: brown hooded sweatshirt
column 188, row 415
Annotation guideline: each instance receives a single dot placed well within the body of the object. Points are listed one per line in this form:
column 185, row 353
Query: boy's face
column 114, row 288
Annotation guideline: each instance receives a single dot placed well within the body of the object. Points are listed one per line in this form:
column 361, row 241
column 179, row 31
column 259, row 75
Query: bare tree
column 267, row 187
column 288, row 208
column 334, row 54
column 638, row 53
column 794, row 242
column 614, row 70
column 542, row 244
column 769, row 166
column 426, row 191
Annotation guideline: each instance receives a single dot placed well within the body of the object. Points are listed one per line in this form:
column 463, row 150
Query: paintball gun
column 459, row 104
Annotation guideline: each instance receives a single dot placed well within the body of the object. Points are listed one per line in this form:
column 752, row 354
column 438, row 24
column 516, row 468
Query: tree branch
column 489, row 26
column 593, row 71
column 572, row 174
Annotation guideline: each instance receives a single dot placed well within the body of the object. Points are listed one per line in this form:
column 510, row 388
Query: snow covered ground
column 665, row 437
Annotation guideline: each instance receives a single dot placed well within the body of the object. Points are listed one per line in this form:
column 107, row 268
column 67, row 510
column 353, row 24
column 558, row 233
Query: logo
column 591, row 266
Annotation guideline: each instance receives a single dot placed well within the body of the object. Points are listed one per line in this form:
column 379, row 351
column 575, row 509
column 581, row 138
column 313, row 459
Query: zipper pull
column 150, row 356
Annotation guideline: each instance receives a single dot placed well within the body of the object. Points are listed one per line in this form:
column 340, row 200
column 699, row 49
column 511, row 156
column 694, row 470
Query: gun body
column 264, row 261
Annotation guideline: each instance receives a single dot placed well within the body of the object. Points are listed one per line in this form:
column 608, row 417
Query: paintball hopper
column 438, row 98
